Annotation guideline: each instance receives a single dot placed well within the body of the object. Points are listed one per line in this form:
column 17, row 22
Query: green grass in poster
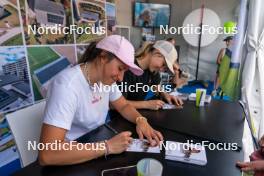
column 39, row 57
column 16, row 40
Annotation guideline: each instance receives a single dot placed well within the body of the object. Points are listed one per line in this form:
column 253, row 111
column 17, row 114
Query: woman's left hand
column 144, row 129
column 173, row 100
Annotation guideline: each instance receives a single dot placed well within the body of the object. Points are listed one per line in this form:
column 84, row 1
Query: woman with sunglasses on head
column 152, row 58
column 74, row 105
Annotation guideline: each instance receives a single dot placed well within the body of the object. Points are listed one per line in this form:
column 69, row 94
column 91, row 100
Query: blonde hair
column 146, row 48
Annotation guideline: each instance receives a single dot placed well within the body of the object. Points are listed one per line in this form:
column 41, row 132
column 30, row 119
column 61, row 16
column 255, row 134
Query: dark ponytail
column 91, row 53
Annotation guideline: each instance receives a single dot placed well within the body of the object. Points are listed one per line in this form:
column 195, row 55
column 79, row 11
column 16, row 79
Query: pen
column 110, row 128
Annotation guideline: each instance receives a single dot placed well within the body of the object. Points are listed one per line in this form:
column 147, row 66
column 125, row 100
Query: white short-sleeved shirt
column 74, row 106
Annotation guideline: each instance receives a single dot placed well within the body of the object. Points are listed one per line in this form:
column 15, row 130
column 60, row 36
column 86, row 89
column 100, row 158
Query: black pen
column 110, row 128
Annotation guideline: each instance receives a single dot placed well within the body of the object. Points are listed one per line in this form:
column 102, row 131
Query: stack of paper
column 142, row 146
column 183, row 96
column 185, row 152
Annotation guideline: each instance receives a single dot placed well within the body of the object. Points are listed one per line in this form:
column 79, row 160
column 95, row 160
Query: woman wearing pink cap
column 75, row 107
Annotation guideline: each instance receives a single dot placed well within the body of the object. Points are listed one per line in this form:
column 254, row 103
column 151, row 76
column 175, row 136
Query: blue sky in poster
column 10, row 54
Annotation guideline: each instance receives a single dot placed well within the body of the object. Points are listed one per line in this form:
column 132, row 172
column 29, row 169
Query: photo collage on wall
column 40, row 38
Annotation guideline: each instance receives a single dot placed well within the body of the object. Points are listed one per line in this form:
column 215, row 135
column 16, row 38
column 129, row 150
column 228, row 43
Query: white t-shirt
column 74, row 106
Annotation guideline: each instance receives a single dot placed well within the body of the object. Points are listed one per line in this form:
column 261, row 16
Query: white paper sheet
column 142, row 146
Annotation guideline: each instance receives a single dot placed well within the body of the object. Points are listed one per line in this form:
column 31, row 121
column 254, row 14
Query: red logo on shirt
column 96, row 99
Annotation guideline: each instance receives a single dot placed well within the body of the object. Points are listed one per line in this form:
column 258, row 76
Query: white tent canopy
column 252, row 76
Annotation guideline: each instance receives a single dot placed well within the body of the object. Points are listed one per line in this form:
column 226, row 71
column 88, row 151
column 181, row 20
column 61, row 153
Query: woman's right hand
column 154, row 104
column 120, row 142
column 251, row 166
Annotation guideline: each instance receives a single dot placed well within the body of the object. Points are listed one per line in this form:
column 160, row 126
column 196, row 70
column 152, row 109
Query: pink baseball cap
column 123, row 49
